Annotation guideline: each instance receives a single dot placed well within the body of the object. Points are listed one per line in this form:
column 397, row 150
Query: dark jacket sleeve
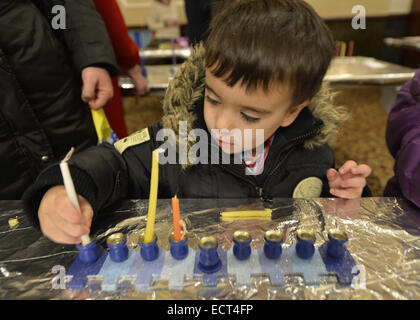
column 85, row 35
column 304, row 163
column 100, row 174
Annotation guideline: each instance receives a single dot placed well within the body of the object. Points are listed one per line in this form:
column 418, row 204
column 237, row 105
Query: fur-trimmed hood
column 188, row 85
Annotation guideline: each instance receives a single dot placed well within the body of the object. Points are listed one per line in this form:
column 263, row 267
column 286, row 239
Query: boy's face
column 234, row 108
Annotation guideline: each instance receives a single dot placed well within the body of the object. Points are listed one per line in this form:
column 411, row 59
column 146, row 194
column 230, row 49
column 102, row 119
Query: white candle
column 71, row 192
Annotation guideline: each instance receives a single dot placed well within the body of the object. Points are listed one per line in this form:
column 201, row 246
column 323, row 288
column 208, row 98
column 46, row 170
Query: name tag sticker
column 134, row 139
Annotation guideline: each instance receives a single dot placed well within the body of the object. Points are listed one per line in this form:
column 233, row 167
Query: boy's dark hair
column 259, row 42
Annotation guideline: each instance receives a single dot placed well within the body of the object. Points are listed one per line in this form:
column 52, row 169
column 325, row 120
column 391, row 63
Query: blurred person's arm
column 126, row 51
column 87, row 40
column 403, row 139
column 85, row 35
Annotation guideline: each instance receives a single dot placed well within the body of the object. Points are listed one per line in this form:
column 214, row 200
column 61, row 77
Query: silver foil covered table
column 384, row 240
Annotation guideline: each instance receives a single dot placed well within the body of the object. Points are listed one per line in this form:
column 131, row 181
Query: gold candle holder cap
column 241, row 236
column 305, row 234
column 115, row 238
column 208, row 242
column 337, row 234
column 274, row 235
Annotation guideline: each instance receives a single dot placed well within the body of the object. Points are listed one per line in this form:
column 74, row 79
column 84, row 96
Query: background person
column 48, row 80
column 403, row 140
column 128, row 59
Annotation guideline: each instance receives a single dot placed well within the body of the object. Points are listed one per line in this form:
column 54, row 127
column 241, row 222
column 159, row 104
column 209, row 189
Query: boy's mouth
column 225, row 142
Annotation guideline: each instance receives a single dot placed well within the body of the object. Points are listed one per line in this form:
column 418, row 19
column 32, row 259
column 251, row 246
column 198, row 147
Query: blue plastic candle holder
column 336, row 248
column 242, row 245
column 273, row 240
column 149, row 251
column 118, row 250
column 305, row 243
column 179, row 249
column 209, row 261
column 88, row 253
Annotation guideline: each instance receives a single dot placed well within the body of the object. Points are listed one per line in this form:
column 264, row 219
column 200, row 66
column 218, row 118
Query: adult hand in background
column 97, row 87
column 141, row 87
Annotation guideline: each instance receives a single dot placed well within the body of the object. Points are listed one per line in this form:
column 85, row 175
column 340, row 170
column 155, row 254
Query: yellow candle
column 151, row 214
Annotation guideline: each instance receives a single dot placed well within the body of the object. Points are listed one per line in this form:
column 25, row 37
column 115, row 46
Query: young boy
column 261, row 68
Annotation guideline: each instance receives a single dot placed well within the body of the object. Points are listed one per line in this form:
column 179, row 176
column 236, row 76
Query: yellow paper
column 103, row 129
column 246, row 215
column 13, row 222
column 151, row 214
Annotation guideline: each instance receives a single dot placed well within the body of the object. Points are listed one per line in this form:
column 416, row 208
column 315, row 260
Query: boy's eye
column 248, row 118
column 212, row 101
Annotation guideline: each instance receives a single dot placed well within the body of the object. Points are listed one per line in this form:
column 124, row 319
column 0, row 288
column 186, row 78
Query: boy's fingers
column 87, row 211
column 75, row 230
column 332, row 174
column 347, row 166
column 355, row 182
column 67, row 211
column 362, row 169
column 334, row 178
column 350, row 193
column 56, row 235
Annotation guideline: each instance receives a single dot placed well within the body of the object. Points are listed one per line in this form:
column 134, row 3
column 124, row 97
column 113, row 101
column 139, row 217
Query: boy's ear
column 292, row 114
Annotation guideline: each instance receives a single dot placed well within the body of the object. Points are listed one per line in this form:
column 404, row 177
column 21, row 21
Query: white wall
column 135, row 12
column 331, row 9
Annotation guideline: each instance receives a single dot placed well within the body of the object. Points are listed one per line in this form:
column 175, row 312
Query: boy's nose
column 224, row 122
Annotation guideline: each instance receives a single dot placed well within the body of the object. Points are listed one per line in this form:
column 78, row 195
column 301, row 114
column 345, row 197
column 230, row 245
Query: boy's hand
column 348, row 182
column 59, row 219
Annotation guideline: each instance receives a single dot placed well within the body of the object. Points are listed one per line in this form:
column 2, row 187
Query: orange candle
column 177, row 218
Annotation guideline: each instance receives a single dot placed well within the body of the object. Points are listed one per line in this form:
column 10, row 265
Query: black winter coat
column 41, row 112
